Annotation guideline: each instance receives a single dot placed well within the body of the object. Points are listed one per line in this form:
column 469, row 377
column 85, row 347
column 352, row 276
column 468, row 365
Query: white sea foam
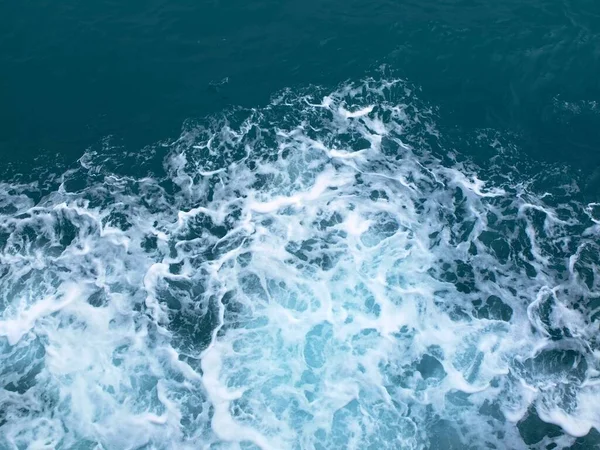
column 309, row 275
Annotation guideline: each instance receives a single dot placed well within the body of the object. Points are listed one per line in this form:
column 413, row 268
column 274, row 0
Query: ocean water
column 315, row 225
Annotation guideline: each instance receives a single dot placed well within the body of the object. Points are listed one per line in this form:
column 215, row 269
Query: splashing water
column 321, row 273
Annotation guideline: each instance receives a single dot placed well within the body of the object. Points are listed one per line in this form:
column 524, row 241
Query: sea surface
column 299, row 225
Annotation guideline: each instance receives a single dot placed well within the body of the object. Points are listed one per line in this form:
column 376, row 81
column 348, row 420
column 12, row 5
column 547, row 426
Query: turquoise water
column 316, row 225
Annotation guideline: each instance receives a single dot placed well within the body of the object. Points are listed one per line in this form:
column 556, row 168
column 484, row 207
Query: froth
column 317, row 273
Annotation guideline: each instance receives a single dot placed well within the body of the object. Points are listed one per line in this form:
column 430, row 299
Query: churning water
column 329, row 271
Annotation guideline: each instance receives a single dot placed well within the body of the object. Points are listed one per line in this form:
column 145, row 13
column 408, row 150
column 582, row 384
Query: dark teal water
column 315, row 224
column 76, row 72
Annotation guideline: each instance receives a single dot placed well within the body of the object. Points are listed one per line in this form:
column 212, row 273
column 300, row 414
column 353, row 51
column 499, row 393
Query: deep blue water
column 73, row 72
column 299, row 225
